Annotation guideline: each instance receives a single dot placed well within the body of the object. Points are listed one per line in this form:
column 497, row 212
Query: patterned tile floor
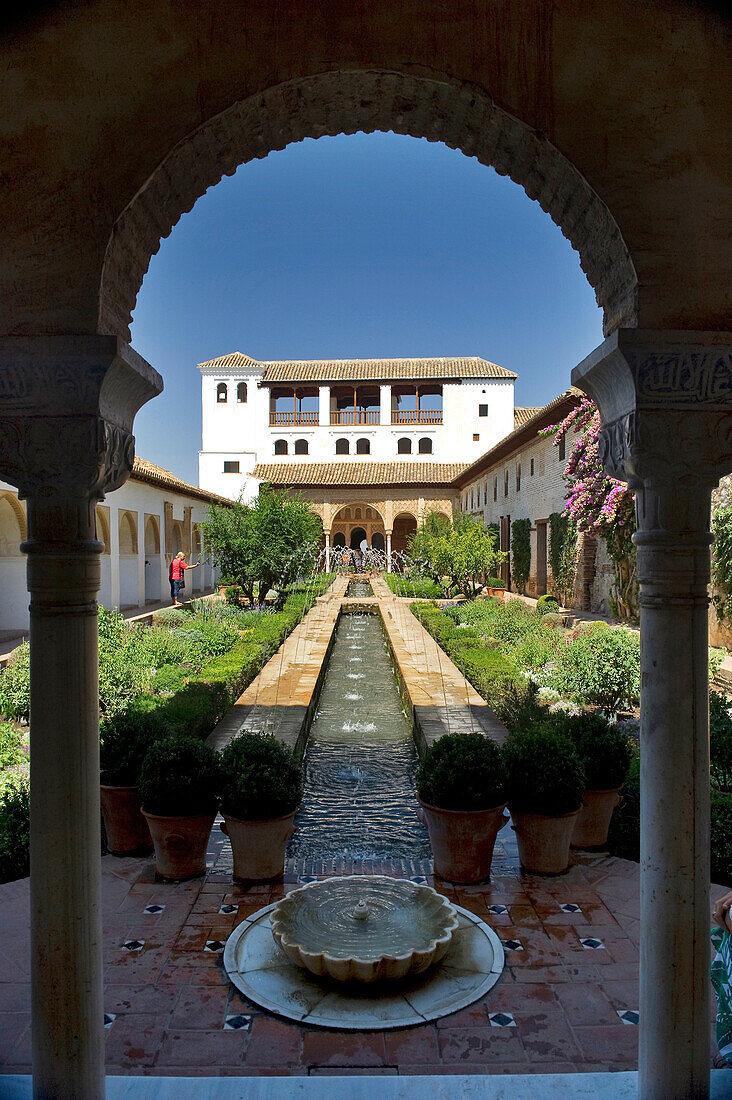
column 567, row 1000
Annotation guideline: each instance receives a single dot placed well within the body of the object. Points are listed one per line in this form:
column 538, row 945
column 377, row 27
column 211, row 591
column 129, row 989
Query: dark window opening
column 241, row 393
column 281, row 447
column 222, row 394
column 425, row 446
column 301, row 446
column 482, row 410
column 561, row 449
column 363, row 447
column 342, row 447
column 404, row 446
column 231, row 467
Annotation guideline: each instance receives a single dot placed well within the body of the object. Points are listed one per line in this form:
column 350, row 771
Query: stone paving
column 567, row 1000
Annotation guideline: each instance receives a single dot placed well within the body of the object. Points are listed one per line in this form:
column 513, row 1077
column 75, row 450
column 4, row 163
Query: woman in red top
column 176, row 574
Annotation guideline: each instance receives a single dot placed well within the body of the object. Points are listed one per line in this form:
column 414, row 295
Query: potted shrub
column 605, row 753
column 124, row 741
column 461, row 789
column 179, row 786
column 545, row 785
column 260, row 794
column 495, row 586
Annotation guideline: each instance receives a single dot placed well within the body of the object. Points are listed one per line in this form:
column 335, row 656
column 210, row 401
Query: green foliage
column 721, row 838
column 545, row 774
column 15, row 684
column 124, row 741
column 494, row 582
column 722, row 561
column 486, row 668
column 462, row 771
column 457, row 553
column 521, row 553
column 518, row 706
column 11, row 746
column 547, row 603
column 125, row 669
column 180, row 776
column 14, row 830
column 563, row 554
column 624, row 836
column 233, row 594
column 604, row 750
column 265, row 544
column 600, row 666
column 720, row 741
column 413, row 585
column 170, row 617
column 261, row 778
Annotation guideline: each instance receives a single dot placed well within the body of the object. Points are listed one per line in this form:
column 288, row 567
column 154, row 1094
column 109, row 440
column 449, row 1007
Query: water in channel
column 359, row 769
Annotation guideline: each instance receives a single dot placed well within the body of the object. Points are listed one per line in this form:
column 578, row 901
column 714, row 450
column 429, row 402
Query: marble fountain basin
column 364, row 928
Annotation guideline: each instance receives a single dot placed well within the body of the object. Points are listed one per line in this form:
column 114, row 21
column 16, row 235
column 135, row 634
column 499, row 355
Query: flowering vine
column 598, row 504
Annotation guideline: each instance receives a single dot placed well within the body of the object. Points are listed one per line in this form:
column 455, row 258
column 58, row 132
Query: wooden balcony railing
column 283, row 419
column 355, row 416
column 416, row 416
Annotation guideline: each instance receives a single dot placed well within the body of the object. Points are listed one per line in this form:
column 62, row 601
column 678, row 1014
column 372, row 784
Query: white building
column 378, row 410
column 142, row 525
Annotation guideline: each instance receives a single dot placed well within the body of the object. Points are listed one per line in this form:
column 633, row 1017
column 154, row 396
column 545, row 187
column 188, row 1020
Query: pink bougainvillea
column 598, row 503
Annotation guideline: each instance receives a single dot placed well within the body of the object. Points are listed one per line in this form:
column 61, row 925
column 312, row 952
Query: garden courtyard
column 566, row 1000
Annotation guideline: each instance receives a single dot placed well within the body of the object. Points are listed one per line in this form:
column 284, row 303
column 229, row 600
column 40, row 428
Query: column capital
column 665, row 401
column 67, row 406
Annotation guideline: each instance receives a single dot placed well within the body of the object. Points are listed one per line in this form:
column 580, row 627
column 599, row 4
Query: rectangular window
column 476, row 437
column 532, row 467
column 495, row 487
column 482, row 410
column 561, row 449
column 505, row 483
column 518, row 477
column 231, row 467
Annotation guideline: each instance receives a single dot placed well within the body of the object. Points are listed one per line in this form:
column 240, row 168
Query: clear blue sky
column 362, row 246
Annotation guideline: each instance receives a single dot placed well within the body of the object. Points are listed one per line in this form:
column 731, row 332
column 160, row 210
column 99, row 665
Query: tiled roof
column 143, row 470
column 359, row 473
column 361, row 370
column 524, row 433
column 522, row 416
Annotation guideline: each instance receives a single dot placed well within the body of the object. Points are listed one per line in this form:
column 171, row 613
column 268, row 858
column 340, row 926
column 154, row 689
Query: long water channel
column 361, row 761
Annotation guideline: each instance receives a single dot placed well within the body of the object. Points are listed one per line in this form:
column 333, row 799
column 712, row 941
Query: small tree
column 563, row 554
column 521, row 553
column 264, row 544
column 456, row 554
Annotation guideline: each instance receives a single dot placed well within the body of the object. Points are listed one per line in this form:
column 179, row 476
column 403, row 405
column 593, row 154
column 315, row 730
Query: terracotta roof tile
column 522, row 416
column 358, row 370
column 359, row 473
column 143, row 470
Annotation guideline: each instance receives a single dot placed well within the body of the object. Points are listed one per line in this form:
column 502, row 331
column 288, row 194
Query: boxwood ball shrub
column 604, row 750
column 544, row 771
column 124, row 742
column 261, row 778
column 547, row 603
column 462, row 771
column 180, row 776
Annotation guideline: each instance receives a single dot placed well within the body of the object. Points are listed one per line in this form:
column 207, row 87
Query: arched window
column 425, row 446
column 404, row 446
column 301, row 446
column 281, row 447
column 222, row 394
column 241, row 393
column 342, row 447
column 363, row 447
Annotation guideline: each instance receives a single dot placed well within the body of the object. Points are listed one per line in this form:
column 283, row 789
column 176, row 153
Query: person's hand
column 721, row 912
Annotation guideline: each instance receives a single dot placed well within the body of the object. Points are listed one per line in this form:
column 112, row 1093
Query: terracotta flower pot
column 258, row 847
column 543, row 842
column 180, row 843
column 462, row 840
column 592, row 825
column 127, row 829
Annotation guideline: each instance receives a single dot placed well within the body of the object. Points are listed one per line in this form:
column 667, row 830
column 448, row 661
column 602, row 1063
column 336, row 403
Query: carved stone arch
column 103, row 532
column 460, row 114
column 127, row 521
column 19, row 512
column 152, row 535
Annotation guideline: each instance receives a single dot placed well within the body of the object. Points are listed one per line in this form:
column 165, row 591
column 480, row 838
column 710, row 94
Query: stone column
column 385, row 404
column 114, row 587
column 666, row 404
column 324, row 405
column 388, row 551
column 327, row 551
column 66, row 411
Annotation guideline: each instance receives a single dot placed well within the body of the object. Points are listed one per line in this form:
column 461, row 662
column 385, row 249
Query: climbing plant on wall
column 563, row 554
column 722, row 561
column 600, row 505
column 521, row 553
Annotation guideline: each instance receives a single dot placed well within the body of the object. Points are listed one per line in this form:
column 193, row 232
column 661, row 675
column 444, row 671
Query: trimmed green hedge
column 421, row 588
column 485, row 667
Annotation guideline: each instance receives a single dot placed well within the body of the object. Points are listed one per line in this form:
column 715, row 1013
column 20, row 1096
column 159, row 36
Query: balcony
column 291, row 419
column 355, row 416
column 416, row 416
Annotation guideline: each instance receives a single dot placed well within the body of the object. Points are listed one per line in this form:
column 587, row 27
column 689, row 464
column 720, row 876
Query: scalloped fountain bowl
column 363, row 928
